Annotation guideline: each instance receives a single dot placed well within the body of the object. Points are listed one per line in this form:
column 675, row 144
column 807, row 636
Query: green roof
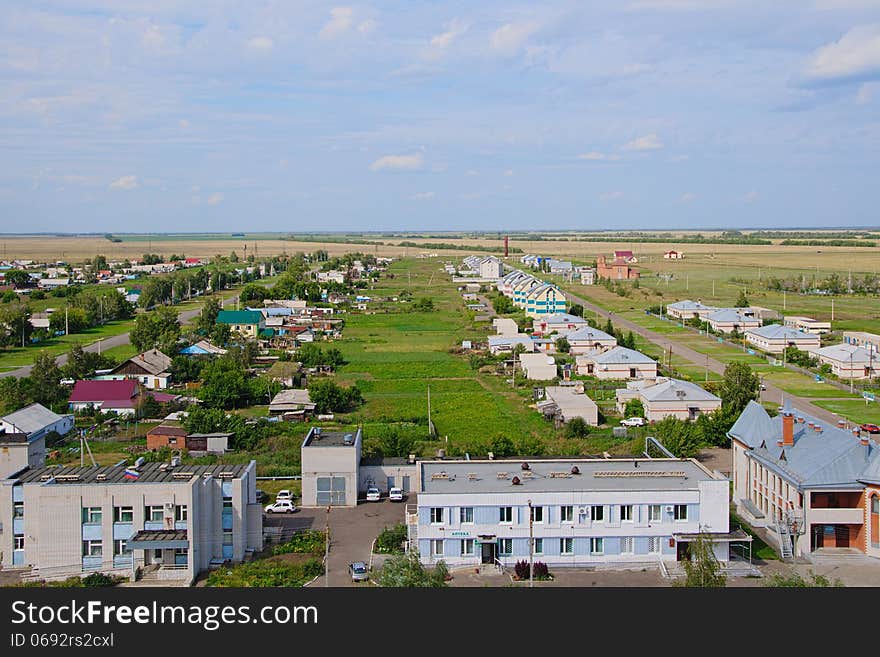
column 239, row 317
column 267, row 333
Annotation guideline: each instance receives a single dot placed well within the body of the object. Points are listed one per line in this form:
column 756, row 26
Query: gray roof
column 731, row 315
column 834, row 457
column 153, row 361
column 294, row 397
column 562, row 318
column 111, row 474
column 31, row 418
column 318, row 437
column 519, row 338
column 687, row 304
column 846, row 352
column 780, row 332
column 621, row 355
column 568, row 401
column 588, row 333
column 555, row 475
column 675, row 390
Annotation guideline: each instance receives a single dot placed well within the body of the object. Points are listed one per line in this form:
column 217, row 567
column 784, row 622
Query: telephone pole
column 531, row 546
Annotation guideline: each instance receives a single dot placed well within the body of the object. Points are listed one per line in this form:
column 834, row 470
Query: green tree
column 794, row 579
column 634, row 408
column 44, row 381
column 503, row 305
column 609, row 327
column 680, row 437
column 331, row 398
column 562, row 345
column 423, row 305
column 742, row 301
column 82, row 364
column 577, row 427
column 702, row 569
column 224, row 384
column 501, row 446
column 15, row 329
column 740, row 386
column 18, row 278
column 157, row 329
column 714, row 427
column 406, row 571
column 253, row 292
column 393, row 442
column 73, row 320
column 576, row 309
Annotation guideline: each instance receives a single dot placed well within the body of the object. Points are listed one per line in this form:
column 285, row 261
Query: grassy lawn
column 798, row 384
column 856, row 410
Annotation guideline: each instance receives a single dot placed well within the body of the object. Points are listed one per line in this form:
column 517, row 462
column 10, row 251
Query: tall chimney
column 788, row 429
column 506, row 241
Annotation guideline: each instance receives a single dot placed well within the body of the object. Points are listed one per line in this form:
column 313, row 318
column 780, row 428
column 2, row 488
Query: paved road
column 771, row 394
column 108, row 343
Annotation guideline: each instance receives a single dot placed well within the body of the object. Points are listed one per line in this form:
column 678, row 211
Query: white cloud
column 866, row 92
column 509, row 38
column 596, row 156
column 260, row 44
column 611, row 196
column 126, row 182
column 215, row 199
column 183, row 124
column 508, row 173
column 647, row 143
column 687, row 197
column 422, row 196
column 367, row 26
column 340, row 20
column 455, row 29
column 856, row 53
column 752, row 196
column 398, row 163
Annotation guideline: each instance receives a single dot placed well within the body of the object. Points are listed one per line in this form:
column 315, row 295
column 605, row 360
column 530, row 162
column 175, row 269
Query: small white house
column 848, row 361
column 669, row 398
column 775, row 338
column 588, row 339
column 617, row 363
column 499, row 344
column 538, row 367
column 806, row 324
column 730, row 320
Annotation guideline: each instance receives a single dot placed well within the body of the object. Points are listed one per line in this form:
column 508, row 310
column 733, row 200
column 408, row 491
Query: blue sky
column 165, row 115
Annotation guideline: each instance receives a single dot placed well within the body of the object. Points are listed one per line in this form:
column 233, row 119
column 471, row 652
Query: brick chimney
column 788, row 429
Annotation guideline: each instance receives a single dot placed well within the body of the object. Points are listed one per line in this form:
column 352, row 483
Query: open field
column 856, row 410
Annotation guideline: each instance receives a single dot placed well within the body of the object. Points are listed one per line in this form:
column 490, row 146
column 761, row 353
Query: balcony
column 122, row 530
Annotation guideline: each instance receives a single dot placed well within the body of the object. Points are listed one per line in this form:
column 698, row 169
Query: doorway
column 841, row 536
column 683, row 551
column 488, row 552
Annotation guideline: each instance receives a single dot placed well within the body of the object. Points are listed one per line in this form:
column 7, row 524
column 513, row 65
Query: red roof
column 111, row 394
column 623, row 254
column 193, row 260
column 167, row 430
column 162, row 397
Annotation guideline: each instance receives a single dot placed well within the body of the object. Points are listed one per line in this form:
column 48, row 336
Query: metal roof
column 589, row 334
column 549, row 476
column 780, row 332
column 31, row 418
column 561, row 318
column 152, row 361
column 676, row 390
column 110, row 474
column 846, row 353
column 318, row 437
column 731, row 315
column 618, row 355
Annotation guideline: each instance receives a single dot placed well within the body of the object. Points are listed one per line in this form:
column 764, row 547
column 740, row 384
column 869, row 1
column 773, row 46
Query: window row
column 595, row 512
column 93, row 515
column 566, row 546
column 95, row 548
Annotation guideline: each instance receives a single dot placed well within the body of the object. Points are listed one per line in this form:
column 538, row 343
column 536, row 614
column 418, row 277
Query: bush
column 266, row 573
column 577, row 428
column 390, row 541
column 98, row 580
column 309, row 541
column 540, row 572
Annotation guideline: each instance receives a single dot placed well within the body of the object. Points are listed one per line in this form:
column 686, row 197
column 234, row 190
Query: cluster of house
column 536, row 297
column 356, row 271
column 283, row 323
column 485, row 268
column 852, row 359
column 598, row 355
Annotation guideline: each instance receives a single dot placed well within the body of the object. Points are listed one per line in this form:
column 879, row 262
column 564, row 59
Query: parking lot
column 352, row 531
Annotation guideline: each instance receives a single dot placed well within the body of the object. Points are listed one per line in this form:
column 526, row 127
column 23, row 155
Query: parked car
column 396, row 495
column 633, row 422
column 373, row 494
column 870, row 428
column 284, row 506
column 262, row 496
column 284, row 495
column 358, row 571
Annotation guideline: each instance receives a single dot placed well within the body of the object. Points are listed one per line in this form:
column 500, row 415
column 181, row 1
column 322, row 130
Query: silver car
column 358, row 571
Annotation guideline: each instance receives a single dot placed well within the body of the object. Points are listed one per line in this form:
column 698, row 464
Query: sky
column 287, row 115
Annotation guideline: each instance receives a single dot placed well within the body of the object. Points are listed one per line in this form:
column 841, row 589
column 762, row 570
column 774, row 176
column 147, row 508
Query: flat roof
column 111, row 474
column 329, row 438
column 552, row 476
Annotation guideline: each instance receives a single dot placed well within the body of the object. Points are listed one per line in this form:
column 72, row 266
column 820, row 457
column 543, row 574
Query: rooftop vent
column 472, row 476
column 317, row 431
column 348, row 439
column 182, row 475
column 800, row 419
column 575, row 470
column 226, row 475
column 515, row 481
column 524, row 466
column 439, row 475
column 411, row 458
column 441, row 453
column 140, row 461
column 100, row 477
column 501, row 475
column 175, row 461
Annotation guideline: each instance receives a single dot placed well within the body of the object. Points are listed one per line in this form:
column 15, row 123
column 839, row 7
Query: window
column 505, row 546
column 19, row 543
column 123, row 514
column 227, row 538
column 539, row 546
column 597, row 513
column 875, row 504
column 120, row 548
column 505, row 514
column 467, row 547
column 566, row 546
column 597, row 546
column 626, row 512
column 654, row 513
column 537, row 514
column 466, row 515
column 626, row 545
column 18, row 510
column 153, row 513
column 93, row 548
column 91, row 515
column 566, row 513
column 436, row 515
column 654, row 545
column 437, row 548
column 227, row 506
column 681, row 512
column 181, row 512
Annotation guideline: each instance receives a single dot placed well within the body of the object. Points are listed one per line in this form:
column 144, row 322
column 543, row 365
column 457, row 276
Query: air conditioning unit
column 583, row 510
column 669, row 508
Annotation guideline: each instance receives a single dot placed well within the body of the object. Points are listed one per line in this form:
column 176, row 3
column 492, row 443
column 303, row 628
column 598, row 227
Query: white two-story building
column 583, row 512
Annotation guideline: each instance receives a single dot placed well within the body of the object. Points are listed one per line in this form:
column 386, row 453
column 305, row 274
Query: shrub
column 521, row 569
column 390, row 541
column 577, row 428
column 309, row 541
column 540, row 571
column 98, row 580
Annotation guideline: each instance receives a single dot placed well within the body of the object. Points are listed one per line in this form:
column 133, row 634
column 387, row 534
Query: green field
column 856, row 410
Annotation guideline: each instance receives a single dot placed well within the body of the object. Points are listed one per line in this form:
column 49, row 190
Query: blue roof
column 588, row 333
column 730, row 315
column 780, row 332
column 834, row 457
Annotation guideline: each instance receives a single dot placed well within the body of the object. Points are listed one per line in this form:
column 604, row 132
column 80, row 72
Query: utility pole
column 850, row 372
column 713, row 288
column 783, row 299
column 531, row 546
column 707, row 368
column 832, row 309
column 327, row 543
column 430, row 433
column 66, row 325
